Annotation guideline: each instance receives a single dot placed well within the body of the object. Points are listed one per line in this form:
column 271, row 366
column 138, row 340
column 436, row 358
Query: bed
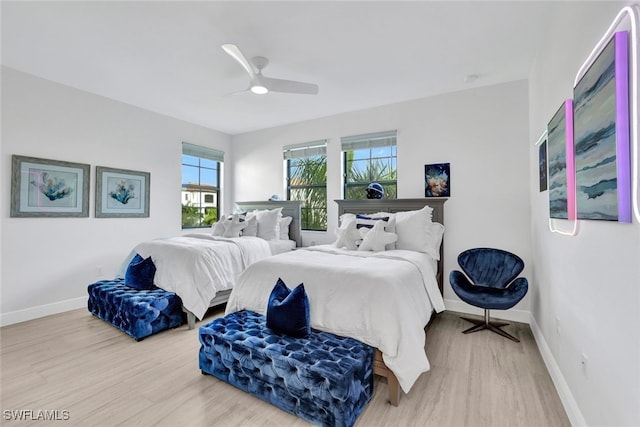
column 402, row 290
column 202, row 269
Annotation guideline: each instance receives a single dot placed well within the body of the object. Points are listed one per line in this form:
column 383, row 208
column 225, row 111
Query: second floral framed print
column 122, row 193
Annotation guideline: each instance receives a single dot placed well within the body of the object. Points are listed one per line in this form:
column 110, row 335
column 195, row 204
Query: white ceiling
column 166, row 56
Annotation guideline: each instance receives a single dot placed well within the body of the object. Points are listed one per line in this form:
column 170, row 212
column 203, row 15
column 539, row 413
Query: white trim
column 564, row 391
column 42, row 310
column 521, row 316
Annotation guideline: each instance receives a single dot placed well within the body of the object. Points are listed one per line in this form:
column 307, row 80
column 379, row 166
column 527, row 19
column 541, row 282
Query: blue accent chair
column 490, row 283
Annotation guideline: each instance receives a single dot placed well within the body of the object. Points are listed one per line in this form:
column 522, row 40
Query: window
column 200, row 185
column 370, row 158
column 307, row 181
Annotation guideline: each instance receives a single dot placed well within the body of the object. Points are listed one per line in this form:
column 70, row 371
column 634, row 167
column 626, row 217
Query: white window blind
column 307, row 149
column 369, row 140
column 202, row 152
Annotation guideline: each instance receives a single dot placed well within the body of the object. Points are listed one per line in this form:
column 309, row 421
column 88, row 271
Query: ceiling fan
column 260, row 84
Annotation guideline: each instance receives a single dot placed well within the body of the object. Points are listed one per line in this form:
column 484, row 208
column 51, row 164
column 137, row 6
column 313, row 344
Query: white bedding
column 384, row 299
column 280, row 246
column 196, row 266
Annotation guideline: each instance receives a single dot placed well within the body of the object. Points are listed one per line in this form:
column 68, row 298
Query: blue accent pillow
column 140, row 273
column 288, row 311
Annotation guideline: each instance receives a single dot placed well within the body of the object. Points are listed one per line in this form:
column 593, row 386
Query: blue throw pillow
column 288, row 310
column 140, row 273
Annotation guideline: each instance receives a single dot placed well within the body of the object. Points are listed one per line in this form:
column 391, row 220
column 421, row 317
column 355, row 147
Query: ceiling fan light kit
column 259, row 90
column 260, row 84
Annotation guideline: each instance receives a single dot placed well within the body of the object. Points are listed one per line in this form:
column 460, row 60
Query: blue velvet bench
column 324, row 379
column 139, row 313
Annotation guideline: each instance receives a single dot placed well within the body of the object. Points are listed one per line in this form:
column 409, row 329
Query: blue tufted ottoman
column 135, row 312
column 324, row 379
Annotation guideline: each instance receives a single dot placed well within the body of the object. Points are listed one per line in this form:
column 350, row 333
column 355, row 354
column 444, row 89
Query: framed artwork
column 48, row 188
column 560, row 163
column 542, row 165
column 437, row 180
column 121, row 193
column 601, row 125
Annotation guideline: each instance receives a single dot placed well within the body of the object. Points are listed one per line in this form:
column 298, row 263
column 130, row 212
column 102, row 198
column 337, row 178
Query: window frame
column 308, row 151
column 209, row 155
column 368, row 142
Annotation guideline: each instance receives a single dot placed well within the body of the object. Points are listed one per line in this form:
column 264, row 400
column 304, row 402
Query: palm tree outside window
column 306, row 166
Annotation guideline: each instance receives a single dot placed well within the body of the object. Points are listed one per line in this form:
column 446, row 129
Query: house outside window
column 306, row 166
column 201, row 167
column 370, row 158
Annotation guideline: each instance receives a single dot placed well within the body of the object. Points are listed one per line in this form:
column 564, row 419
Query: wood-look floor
column 78, row 363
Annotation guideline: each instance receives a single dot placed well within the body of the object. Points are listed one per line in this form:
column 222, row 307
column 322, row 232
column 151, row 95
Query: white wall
column 590, row 282
column 482, row 132
column 48, row 262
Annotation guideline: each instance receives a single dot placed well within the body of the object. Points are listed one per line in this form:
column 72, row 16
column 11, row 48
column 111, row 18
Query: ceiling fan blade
column 235, row 53
column 237, row 92
column 289, row 86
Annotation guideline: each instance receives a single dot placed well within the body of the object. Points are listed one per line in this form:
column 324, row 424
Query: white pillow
column 217, row 228
column 347, row 235
column 411, row 227
column 434, row 234
column 233, row 227
column 369, row 220
column 284, row 227
column 390, row 227
column 252, row 225
column 345, row 217
column 268, row 223
column 376, row 238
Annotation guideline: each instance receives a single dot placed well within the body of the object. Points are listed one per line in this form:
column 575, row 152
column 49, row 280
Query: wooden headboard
column 370, row 206
column 289, row 208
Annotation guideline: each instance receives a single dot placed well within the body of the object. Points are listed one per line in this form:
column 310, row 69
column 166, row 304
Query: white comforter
column 196, row 266
column 384, row 299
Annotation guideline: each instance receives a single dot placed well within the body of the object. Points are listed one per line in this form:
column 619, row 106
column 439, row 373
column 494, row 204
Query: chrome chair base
column 481, row 324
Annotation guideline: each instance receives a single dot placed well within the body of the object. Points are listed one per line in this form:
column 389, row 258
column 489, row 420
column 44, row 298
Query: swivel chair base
column 480, row 325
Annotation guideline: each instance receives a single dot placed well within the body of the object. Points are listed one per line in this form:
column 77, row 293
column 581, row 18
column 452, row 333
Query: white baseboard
column 42, row 310
column 570, row 405
column 512, row 315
